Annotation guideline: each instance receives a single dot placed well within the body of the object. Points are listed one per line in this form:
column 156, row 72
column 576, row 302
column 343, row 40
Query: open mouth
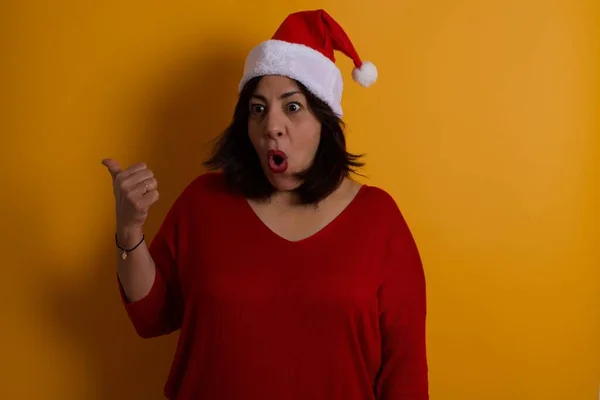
column 277, row 161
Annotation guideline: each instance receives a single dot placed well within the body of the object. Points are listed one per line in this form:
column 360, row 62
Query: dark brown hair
column 235, row 155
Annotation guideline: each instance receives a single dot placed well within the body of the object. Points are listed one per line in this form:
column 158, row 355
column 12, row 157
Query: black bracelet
column 125, row 251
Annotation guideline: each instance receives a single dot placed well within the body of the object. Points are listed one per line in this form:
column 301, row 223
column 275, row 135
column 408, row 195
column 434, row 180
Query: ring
column 146, row 185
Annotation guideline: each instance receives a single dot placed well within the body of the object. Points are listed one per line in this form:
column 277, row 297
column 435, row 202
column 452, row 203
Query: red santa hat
column 302, row 48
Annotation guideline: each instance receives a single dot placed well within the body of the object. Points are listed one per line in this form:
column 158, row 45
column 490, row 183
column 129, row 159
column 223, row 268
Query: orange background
column 484, row 126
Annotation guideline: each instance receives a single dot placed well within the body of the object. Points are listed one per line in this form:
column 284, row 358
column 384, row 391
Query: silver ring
column 146, row 185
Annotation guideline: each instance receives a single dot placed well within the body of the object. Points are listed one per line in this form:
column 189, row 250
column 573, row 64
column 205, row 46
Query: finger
column 135, row 168
column 135, row 181
column 144, row 187
column 144, row 203
column 150, row 184
column 112, row 166
column 125, row 174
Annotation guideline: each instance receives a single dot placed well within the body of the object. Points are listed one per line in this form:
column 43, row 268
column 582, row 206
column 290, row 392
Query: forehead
column 275, row 85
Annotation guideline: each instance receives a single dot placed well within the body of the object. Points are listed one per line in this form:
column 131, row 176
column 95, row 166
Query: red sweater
column 337, row 316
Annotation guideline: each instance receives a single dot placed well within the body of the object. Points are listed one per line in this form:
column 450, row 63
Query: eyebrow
column 283, row 96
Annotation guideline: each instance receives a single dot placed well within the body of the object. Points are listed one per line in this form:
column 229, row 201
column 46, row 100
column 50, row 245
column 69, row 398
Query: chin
column 283, row 182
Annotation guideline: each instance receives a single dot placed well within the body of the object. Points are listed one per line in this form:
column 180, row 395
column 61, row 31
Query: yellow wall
column 484, row 126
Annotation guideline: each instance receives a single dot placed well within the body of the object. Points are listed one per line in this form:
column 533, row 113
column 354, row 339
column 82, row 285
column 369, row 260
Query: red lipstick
column 277, row 161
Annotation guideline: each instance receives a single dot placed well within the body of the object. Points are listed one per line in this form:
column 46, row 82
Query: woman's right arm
column 147, row 275
column 137, row 271
column 151, row 294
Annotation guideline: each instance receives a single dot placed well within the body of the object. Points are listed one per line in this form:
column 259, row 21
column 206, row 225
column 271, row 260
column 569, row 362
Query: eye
column 294, row 107
column 256, row 108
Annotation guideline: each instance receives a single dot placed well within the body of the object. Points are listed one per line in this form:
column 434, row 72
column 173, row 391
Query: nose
column 274, row 124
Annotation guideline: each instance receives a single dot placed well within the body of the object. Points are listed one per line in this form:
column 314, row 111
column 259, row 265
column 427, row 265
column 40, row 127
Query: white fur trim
column 318, row 73
column 366, row 75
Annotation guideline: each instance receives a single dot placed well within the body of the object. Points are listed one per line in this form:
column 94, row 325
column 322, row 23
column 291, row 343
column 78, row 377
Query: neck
column 285, row 199
column 290, row 199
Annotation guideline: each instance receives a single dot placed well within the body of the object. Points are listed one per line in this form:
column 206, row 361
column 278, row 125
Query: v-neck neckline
column 314, row 236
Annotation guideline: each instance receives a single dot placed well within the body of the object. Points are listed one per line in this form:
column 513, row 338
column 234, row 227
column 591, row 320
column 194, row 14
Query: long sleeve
column 402, row 297
column 160, row 311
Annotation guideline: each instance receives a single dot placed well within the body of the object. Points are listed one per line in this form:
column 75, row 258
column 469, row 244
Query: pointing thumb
column 113, row 166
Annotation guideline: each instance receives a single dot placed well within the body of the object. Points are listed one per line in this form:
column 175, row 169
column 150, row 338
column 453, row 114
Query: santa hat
column 302, row 49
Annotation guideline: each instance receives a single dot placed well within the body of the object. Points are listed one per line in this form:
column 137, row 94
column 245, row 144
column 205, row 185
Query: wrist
column 128, row 237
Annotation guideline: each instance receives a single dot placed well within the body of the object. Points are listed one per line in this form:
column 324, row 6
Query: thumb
column 112, row 166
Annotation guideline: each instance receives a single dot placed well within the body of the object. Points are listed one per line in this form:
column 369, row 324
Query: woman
column 286, row 278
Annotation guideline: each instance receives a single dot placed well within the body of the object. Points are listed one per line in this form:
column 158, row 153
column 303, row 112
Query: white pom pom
column 366, row 75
